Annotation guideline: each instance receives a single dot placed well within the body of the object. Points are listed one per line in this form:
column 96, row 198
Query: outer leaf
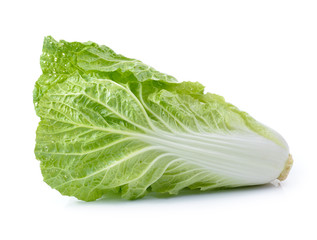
column 60, row 59
column 96, row 137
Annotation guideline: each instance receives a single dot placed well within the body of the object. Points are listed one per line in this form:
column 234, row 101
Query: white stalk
column 243, row 158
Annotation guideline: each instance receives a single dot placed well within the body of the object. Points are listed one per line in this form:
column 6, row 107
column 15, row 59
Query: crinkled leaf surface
column 60, row 59
column 113, row 124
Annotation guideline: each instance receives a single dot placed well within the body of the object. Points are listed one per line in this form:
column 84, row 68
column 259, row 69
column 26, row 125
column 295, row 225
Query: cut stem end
column 287, row 168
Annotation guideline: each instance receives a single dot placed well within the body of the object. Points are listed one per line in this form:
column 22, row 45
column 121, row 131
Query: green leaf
column 61, row 59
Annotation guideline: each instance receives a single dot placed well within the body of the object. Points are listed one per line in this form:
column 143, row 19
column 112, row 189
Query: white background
column 260, row 55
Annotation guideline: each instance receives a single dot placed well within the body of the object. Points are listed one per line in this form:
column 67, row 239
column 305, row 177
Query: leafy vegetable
column 113, row 124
